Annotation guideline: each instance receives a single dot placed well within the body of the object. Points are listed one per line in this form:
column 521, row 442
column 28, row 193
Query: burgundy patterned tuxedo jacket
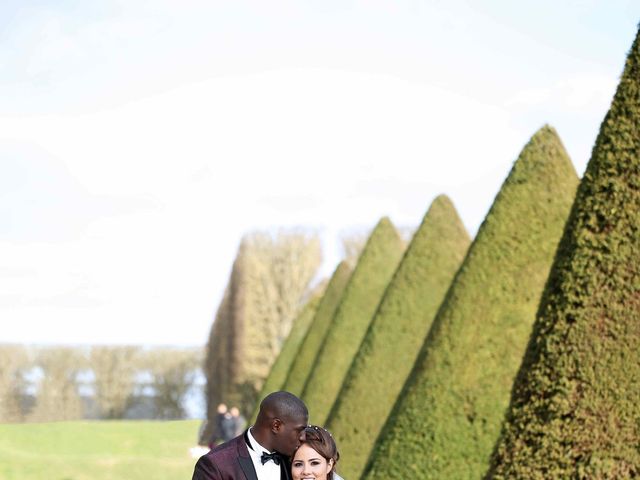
column 231, row 461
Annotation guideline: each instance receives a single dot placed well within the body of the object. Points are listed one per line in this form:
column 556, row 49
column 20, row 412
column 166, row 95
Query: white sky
column 139, row 140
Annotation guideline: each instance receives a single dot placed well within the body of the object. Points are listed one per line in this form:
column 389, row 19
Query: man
column 217, row 432
column 262, row 452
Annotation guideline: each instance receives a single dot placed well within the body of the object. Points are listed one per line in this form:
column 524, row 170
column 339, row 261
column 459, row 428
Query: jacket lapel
column 247, row 464
column 244, row 459
column 247, row 467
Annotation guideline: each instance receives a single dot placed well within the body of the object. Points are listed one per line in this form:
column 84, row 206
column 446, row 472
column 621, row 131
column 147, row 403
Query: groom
column 261, row 452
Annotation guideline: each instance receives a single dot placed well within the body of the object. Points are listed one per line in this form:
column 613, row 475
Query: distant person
column 262, row 452
column 239, row 421
column 217, row 435
column 227, row 426
column 316, row 457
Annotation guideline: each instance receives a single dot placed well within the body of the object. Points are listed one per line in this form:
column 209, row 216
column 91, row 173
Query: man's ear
column 276, row 425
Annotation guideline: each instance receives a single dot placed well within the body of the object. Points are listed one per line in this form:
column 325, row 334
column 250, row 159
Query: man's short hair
column 284, row 405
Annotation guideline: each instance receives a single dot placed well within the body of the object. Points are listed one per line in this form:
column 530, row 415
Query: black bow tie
column 275, row 456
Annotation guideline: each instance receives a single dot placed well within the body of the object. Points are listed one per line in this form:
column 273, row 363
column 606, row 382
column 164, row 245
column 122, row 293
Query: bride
column 316, row 457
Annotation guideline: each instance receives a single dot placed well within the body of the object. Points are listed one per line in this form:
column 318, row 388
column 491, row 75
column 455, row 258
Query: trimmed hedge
column 312, row 342
column 376, row 265
column 575, row 409
column 448, row 416
column 280, row 369
column 396, row 334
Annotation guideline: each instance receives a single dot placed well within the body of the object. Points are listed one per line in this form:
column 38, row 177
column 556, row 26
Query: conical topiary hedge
column 281, row 366
column 376, row 265
column 575, row 409
column 308, row 350
column 396, row 334
column 448, row 416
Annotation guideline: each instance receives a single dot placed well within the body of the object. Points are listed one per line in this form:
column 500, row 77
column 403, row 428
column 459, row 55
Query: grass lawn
column 98, row 450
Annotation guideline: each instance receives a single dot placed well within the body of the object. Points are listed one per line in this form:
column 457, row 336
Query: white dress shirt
column 268, row 471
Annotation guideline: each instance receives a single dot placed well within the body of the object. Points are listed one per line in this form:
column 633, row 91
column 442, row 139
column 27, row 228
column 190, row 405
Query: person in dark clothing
column 217, row 434
column 227, row 426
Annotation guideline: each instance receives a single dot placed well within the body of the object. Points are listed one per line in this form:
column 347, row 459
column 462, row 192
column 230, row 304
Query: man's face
column 290, row 435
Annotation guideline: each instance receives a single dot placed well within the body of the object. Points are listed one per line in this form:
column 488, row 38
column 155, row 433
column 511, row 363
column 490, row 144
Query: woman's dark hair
column 322, row 442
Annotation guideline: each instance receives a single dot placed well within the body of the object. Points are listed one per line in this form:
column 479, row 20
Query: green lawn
column 114, row 450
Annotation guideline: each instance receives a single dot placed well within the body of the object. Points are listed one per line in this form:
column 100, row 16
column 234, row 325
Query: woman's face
column 309, row 465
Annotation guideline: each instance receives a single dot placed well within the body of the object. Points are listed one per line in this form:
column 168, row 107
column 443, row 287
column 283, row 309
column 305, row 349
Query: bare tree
column 270, row 277
column 14, row 363
column 114, row 369
column 57, row 397
column 278, row 270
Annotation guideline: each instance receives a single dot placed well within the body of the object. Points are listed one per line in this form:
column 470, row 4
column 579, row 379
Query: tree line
column 42, row 384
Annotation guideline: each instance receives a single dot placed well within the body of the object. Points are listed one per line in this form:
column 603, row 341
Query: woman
column 316, row 456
